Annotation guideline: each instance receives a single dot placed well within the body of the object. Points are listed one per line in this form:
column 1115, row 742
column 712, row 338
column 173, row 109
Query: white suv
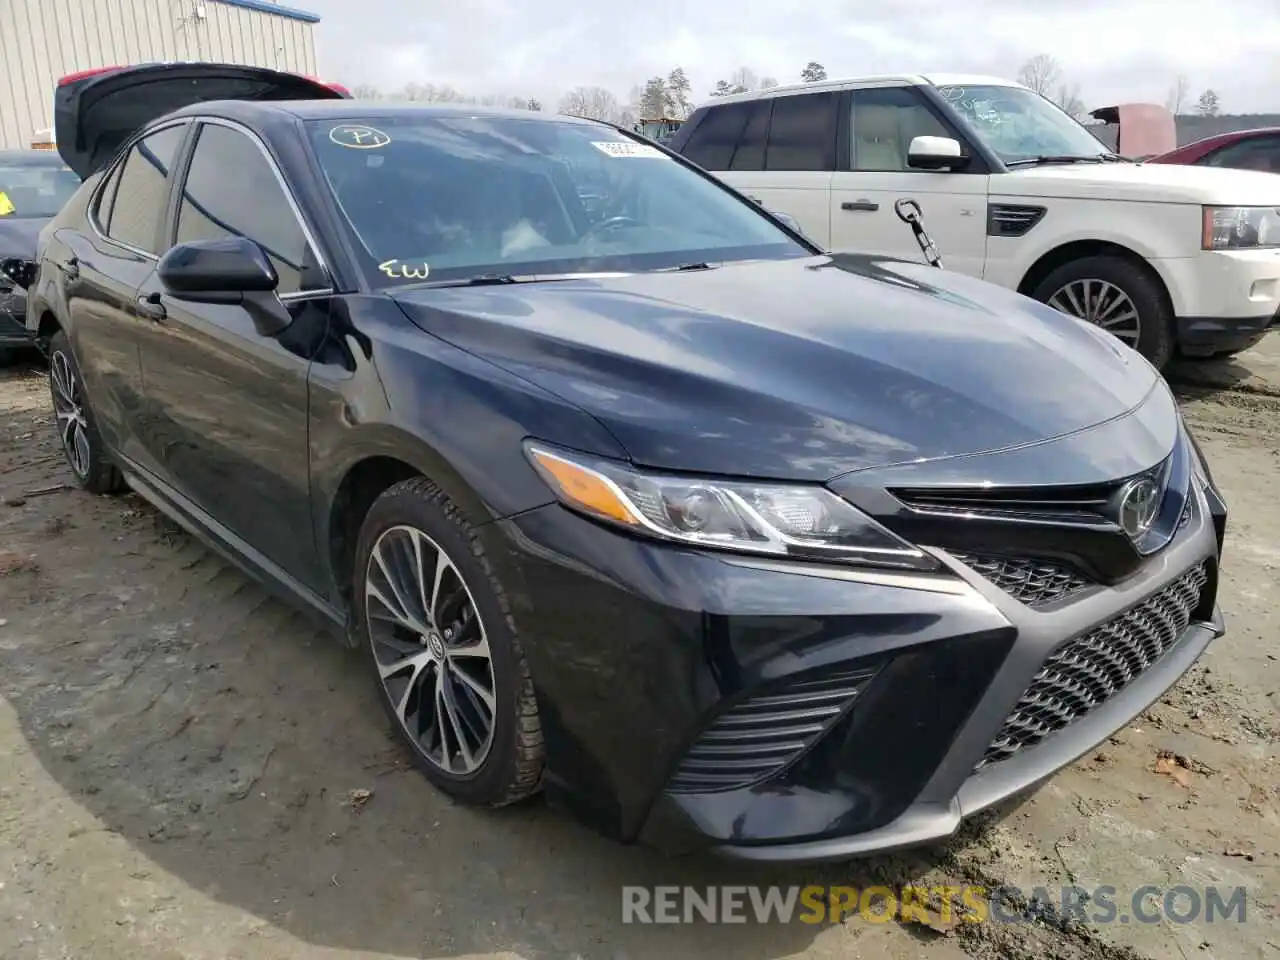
column 1012, row 190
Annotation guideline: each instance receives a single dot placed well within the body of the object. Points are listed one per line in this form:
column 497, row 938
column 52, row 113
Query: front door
column 882, row 123
column 234, row 403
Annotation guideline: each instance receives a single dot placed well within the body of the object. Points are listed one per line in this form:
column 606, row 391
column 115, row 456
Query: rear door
column 101, row 263
column 873, row 176
column 780, row 151
column 230, row 406
column 98, row 110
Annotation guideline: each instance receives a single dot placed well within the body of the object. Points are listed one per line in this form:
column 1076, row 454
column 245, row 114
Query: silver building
column 44, row 40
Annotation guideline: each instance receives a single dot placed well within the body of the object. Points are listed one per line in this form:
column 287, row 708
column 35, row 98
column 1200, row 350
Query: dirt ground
column 183, row 764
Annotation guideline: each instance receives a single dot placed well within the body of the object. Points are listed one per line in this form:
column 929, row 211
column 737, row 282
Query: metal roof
column 266, row 6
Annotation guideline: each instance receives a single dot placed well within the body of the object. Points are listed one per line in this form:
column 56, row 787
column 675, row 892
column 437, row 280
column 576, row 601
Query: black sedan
column 34, row 184
column 722, row 541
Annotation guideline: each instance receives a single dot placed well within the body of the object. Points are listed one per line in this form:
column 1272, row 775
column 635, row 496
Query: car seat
column 877, row 142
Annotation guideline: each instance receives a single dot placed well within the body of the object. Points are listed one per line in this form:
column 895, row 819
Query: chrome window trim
column 116, row 166
column 288, row 195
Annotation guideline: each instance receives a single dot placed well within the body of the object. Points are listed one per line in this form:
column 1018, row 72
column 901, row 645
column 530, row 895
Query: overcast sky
column 1117, row 50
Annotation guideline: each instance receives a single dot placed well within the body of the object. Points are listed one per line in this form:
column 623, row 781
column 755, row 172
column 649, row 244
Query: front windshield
column 460, row 197
column 34, row 188
column 1019, row 124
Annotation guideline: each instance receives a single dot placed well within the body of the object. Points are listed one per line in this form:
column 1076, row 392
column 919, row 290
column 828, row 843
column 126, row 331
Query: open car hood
column 95, row 112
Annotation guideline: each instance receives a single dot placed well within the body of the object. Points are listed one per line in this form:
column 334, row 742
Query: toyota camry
column 624, row 489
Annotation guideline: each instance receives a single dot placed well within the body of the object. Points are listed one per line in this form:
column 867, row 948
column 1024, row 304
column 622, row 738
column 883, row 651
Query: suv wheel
column 81, row 443
column 1118, row 296
column 443, row 648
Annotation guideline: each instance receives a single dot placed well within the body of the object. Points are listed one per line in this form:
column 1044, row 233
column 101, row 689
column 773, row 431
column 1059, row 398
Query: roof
column 266, row 6
column 885, row 79
column 364, row 110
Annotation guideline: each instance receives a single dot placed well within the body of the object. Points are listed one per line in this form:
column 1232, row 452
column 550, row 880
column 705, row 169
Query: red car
column 1240, row 149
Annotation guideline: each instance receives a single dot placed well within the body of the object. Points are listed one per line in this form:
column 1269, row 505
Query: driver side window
column 882, row 124
column 231, row 190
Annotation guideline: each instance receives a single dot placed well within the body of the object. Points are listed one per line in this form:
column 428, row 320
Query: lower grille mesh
column 1094, row 667
column 1027, row 579
column 756, row 738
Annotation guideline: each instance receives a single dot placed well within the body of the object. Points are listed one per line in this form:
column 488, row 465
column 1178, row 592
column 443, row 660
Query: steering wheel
column 609, row 225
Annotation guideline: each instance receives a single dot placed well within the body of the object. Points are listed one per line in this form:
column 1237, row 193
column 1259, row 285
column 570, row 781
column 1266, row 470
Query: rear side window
column 132, row 205
column 713, row 141
column 231, row 190
column 802, row 133
column 750, row 152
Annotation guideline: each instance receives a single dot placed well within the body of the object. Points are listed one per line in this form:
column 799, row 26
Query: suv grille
column 1089, row 670
column 756, row 738
column 1026, row 579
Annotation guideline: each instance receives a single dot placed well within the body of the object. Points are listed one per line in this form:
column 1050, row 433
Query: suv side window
column 132, row 206
column 713, row 141
column 1255, row 153
column 882, row 123
column 802, row 133
column 231, row 190
column 750, row 152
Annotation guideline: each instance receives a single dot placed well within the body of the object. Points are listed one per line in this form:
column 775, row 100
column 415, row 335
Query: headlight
column 790, row 520
column 1240, row 228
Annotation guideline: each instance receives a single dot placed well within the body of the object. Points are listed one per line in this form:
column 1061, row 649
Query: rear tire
column 1111, row 292
column 439, row 639
column 78, row 434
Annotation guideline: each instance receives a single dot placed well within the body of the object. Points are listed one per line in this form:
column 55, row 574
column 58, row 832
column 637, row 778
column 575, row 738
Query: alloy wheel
column 1103, row 304
column 68, row 407
column 431, row 649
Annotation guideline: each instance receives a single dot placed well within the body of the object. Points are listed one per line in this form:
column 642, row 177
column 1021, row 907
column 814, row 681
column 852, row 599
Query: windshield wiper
column 501, row 279
column 686, row 267
column 1053, row 158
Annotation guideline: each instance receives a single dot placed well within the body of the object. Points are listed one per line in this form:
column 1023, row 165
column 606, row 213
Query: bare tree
column 594, row 103
column 1178, row 94
column 1208, row 105
column 1068, row 98
column 722, row 89
column 768, row 83
column 532, row 104
column 365, row 91
column 744, row 80
column 1042, row 74
column 813, row 72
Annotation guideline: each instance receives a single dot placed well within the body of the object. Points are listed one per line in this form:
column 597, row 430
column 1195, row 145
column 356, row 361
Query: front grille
column 1080, row 505
column 1086, row 672
column 1032, row 581
column 756, row 738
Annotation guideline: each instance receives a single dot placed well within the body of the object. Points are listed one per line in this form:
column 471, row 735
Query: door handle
column 151, row 307
column 867, row 205
column 71, row 267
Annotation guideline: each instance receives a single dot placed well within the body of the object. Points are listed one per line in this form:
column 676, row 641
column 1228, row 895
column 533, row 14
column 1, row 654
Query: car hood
column 797, row 369
column 19, row 236
column 1152, row 182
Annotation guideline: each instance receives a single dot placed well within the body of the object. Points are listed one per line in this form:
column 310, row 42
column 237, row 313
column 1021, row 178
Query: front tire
column 78, row 434
column 1117, row 295
column 443, row 650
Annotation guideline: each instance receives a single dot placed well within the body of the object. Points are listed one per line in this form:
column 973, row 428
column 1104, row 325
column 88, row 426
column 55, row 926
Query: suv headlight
column 1240, row 228
column 792, row 520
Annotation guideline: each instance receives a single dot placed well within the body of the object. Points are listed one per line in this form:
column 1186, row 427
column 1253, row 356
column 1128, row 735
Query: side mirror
column 936, row 153
column 216, row 270
column 229, row 270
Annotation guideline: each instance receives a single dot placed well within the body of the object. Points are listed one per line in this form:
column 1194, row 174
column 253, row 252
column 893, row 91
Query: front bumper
column 13, row 313
column 645, row 657
column 1223, row 300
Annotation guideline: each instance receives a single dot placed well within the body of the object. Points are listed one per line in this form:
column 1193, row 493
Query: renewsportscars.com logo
column 967, row 903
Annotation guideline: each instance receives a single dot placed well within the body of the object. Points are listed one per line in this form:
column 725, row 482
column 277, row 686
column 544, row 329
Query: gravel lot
column 184, row 765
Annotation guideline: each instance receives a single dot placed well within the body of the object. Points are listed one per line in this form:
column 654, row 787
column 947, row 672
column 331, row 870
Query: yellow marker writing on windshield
column 6, row 205
column 398, row 270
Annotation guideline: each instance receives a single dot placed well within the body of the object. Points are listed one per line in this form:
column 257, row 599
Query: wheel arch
column 1080, row 249
column 382, row 457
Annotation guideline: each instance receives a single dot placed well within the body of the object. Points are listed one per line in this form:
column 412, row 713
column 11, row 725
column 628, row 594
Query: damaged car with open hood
column 721, row 541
